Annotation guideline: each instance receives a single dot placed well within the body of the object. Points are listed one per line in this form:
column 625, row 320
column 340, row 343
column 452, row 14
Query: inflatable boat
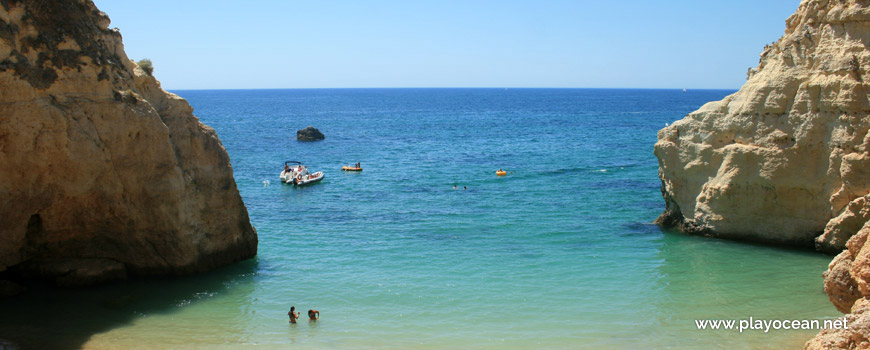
column 291, row 169
column 302, row 180
column 295, row 173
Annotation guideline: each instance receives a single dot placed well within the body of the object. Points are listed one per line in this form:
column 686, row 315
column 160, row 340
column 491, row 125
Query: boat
column 350, row 168
column 500, row 172
column 291, row 169
column 296, row 173
column 302, row 180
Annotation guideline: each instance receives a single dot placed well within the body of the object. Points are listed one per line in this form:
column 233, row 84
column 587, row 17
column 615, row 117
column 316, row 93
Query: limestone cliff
column 786, row 159
column 102, row 172
column 847, row 283
column 777, row 160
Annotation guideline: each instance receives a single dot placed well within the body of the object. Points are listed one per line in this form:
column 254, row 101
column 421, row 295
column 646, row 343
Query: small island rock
column 309, row 134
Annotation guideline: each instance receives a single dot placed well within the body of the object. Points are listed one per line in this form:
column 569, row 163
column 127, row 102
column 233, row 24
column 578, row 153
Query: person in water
column 293, row 314
column 464, row 187
column 454, row 187
column 313, row 314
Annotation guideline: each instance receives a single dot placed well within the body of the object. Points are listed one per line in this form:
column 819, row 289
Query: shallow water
column 559, row 253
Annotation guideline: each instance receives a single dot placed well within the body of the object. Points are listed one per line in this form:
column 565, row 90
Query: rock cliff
column 786, row 159
column 104, row 174
column 847, row 283
column 777, row 160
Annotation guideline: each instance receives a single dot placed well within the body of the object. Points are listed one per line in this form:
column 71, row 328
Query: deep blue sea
column 559, row 254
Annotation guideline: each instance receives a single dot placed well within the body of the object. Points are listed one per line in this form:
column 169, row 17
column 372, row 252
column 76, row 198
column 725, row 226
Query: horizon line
column 458, row 87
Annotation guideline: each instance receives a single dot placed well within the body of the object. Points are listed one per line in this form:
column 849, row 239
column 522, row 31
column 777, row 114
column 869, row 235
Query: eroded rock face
column 104, row 174
column 775, row 161
column 839, row 285
column 844, row 226
column 786, row 159
column 847, row 283
column 854, row 337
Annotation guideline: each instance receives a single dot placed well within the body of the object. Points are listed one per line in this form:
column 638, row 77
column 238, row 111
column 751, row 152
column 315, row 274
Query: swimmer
column 454, row 187
column 464, row 187
column 293, row 314
column 313, row 314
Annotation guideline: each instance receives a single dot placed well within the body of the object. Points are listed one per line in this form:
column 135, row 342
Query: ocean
column 560, row 253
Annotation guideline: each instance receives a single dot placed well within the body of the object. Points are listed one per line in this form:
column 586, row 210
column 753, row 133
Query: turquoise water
column 559, row 253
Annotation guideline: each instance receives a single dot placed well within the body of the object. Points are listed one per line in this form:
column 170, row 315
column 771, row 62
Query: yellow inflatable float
column 348, row 168
column 500, row 172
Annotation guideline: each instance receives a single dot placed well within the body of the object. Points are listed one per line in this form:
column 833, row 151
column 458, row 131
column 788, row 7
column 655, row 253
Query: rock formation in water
column 104, row 174
column 309, row 134
column 777, row 160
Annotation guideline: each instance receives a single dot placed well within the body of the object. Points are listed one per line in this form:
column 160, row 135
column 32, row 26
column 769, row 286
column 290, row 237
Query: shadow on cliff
column 48, row 318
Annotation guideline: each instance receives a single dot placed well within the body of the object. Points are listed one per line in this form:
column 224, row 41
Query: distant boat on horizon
column 684, row 90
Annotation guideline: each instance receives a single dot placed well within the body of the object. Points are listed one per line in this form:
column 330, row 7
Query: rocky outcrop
column 853, row 337
column 847, row 283
column 104, row 174
column 775, row 161
column 841, row 288
column 309, row 134
column 844, row 226
column 786, row 159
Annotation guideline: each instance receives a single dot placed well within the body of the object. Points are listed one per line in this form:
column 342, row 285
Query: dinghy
column 302, row 180
column 295, row 173
column 291, row 169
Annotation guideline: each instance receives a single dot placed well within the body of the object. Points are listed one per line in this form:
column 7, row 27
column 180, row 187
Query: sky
column 270, row 44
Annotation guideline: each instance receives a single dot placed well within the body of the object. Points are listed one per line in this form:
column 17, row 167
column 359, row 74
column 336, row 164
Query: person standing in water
column 293, row 314
column 313, row 314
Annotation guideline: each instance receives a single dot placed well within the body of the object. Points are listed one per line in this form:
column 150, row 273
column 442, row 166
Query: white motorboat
column 292, row 168
column 295, row 173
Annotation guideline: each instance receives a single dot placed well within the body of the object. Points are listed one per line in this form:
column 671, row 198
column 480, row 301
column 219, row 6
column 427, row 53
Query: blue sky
column 384, row 43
